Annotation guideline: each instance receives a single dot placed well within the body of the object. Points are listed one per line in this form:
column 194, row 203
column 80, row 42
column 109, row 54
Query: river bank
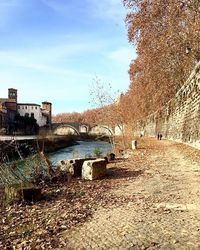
column 13, row 150
column 20, row 149
column 82, row 149
column 55, row 143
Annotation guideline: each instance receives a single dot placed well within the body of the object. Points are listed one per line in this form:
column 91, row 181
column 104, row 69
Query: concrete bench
column 94, row 169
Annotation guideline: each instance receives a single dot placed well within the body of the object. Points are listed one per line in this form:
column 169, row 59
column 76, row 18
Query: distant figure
column 160, row 136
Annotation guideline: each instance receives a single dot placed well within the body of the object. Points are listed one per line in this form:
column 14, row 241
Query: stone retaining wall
column 180, row 119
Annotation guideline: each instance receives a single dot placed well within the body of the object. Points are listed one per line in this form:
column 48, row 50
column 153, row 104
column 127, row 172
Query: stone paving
column 163, row 211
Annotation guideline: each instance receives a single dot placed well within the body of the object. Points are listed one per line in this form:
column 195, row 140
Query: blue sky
column 53, row 49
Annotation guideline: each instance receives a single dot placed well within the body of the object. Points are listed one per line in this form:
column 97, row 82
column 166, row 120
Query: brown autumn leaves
column 166, row 34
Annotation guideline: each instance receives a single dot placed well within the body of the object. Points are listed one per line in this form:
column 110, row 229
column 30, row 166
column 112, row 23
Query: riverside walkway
column 149, row 201
column 161, row 208
column 16, row 138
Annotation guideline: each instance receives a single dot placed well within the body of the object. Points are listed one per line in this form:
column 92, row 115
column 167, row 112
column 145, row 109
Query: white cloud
column 65, row 7
column 123, row 55
column 107, row 9
column 59, row 65
column 9, row 10
column 49, row 58
column 112, row 10
column 10, row 3
column 56, row 5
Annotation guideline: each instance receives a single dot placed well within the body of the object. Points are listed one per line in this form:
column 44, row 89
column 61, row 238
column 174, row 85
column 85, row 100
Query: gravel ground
column 163, row 206
column 150, row 201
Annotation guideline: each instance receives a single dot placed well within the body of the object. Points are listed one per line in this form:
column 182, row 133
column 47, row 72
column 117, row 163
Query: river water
column 83, row 149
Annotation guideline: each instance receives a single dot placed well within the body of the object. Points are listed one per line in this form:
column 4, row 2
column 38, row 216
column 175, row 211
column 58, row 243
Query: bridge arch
column 65, row 129
column 83, row 128
column 101, row 130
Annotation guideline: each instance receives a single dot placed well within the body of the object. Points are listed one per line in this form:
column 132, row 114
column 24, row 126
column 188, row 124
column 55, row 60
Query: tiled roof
column 28, row 104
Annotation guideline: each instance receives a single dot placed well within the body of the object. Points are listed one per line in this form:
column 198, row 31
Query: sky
column 52, row 50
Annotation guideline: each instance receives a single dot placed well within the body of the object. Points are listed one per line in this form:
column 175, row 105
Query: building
column 10, row 108
column 41, row 114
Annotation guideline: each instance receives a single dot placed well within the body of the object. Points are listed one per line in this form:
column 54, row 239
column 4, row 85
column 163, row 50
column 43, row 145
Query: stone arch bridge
column 80, row 128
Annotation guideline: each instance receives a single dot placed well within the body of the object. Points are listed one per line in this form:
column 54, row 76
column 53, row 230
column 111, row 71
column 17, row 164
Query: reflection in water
column 83, row 149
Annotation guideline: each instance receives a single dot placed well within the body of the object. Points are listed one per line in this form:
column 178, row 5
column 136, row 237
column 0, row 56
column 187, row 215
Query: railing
column 16, row 138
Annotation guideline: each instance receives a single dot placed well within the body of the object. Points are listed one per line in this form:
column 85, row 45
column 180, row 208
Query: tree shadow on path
column 121, row 173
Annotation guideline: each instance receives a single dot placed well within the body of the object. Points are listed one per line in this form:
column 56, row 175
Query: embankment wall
column 179, row 119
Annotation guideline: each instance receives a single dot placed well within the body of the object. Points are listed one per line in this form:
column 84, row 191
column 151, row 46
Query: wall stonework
column 180, row 119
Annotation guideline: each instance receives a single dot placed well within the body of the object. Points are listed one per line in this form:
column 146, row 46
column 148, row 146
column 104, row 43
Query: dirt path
column 163, row 209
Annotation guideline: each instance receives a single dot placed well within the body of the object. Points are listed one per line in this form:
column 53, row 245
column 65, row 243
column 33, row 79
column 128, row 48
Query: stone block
column 66, row 166
column 32, row 194
column 73, row 166
column 111, row 157
column 94, row 169
column 16, row 193
column 78, row 164
column 134, row 145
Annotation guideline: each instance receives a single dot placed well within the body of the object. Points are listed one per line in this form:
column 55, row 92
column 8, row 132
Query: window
column 26, row 107
column 18, row 107
column 32, row 115
column 35, row 107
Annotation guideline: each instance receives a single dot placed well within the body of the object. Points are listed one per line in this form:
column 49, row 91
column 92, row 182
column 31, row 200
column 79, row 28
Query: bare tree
column 108, row 101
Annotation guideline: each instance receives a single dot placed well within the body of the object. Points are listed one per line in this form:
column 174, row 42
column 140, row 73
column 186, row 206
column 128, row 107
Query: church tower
column 47, row 106
column 12, row 94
